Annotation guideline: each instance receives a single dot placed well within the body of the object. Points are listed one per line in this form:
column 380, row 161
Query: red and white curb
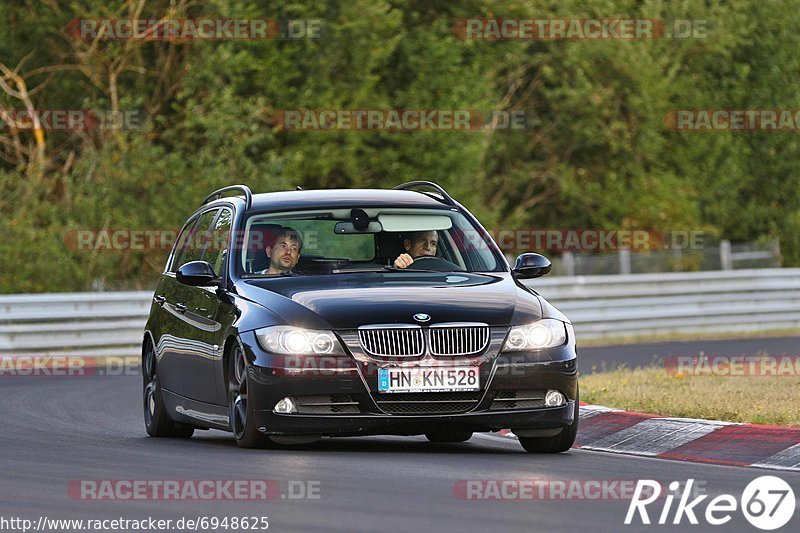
column 687, row 439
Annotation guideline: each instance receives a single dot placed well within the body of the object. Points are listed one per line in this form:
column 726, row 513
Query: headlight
column 290, row 340
column 546, row 333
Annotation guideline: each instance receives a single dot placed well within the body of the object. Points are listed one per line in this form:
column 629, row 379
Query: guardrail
column 86, row 323
column 600, row 307
column 647, row 305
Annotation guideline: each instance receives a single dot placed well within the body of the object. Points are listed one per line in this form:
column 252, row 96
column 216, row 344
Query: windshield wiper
column 380, row 270
column 395, row 269
column 355, row 270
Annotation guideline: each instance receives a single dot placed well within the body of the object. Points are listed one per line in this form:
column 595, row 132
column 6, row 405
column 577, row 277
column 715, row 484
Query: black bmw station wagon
column 288, row 316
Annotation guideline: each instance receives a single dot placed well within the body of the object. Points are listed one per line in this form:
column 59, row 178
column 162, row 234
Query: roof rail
column 216, row 195
column 409, row 185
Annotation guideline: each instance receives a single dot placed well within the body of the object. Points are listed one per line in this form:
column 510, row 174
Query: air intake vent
column 327, row 405
column 521, row 399
column 428, row 403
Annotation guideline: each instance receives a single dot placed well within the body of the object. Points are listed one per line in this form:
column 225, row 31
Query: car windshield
column 371, row 239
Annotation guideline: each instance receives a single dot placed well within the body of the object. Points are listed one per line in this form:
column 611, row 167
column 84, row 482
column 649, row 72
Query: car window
column 320, row 240
column 194, row 242
column 180, row 245
column 331, row 244
column 220, row 235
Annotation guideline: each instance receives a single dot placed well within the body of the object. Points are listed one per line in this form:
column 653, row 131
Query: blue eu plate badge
column 383, row 379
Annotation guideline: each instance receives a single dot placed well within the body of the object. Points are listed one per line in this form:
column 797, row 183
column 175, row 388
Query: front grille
column 427, row 403
column 392, row 341
column 327, row 405
column 408, row 340
column 521, row 399
column 458, row 340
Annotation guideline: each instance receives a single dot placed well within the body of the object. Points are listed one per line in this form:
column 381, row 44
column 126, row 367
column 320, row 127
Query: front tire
column 556, row 444
column 242, row 418
column 156, row 419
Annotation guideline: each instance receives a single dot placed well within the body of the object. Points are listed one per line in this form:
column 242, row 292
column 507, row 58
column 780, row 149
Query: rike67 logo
column 767, row 502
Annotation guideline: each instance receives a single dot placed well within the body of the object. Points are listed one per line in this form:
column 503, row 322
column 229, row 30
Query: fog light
column 285, row 406
column 553, row 398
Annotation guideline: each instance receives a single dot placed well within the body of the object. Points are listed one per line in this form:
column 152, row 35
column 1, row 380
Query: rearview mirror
column 349, row 227
column 196, row 274
column 531, row 265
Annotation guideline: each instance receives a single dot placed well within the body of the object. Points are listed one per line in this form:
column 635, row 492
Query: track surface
column 58, row 429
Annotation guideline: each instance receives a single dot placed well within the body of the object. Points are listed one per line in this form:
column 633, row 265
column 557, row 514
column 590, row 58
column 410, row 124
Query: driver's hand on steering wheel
column 403, row 261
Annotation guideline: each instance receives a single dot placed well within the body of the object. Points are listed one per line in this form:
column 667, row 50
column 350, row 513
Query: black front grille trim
column 521, row 399
column 327, row 405
column 428, row 403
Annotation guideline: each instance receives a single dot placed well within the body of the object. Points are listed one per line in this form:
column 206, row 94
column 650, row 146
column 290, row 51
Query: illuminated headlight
column 290, row 340
column 546, row 333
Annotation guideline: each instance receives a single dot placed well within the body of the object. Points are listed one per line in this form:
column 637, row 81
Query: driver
column 418, row 244
column 284, row 252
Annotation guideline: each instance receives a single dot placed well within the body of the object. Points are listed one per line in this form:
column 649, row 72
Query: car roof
column 324, row 198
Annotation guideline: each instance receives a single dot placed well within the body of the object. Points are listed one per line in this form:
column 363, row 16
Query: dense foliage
column 597, row 153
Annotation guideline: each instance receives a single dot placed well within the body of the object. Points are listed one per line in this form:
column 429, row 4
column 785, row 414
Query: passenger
column 284, row 252
column 418, row 244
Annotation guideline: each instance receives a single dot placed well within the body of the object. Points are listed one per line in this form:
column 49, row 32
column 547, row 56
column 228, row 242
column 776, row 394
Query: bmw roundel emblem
column 422, row 317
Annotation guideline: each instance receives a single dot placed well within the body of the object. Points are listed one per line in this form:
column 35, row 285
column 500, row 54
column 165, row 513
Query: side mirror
column 196, row 274
column 531, row 265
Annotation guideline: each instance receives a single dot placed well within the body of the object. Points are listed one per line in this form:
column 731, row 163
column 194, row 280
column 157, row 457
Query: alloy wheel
column 238, row 393
column 150, row 384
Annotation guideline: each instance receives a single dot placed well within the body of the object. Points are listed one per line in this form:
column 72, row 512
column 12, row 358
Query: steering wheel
column 434, row 263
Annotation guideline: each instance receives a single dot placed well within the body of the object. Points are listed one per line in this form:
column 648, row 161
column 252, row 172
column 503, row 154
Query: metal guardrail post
column 624, row 261
column 725, row 255
column 568, row 261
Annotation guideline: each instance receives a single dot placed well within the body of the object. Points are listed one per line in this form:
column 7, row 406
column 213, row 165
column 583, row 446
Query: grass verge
column 773, row 400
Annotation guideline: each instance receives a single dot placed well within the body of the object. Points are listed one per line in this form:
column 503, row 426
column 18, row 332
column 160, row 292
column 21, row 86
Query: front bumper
column 374, row 424
column 275, row 378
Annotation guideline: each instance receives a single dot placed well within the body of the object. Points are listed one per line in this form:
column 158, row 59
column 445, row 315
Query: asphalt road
column 600, row 358
column 58, row 430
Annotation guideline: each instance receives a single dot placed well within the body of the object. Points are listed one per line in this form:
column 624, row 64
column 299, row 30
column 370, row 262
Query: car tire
column 242, row 419
column 449, row 436
column 556, row 444
column 156, row 419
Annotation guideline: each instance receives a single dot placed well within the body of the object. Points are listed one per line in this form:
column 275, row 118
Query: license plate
column 428, row 379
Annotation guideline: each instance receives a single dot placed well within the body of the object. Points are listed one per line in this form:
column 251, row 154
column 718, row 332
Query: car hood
column 346, row 301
